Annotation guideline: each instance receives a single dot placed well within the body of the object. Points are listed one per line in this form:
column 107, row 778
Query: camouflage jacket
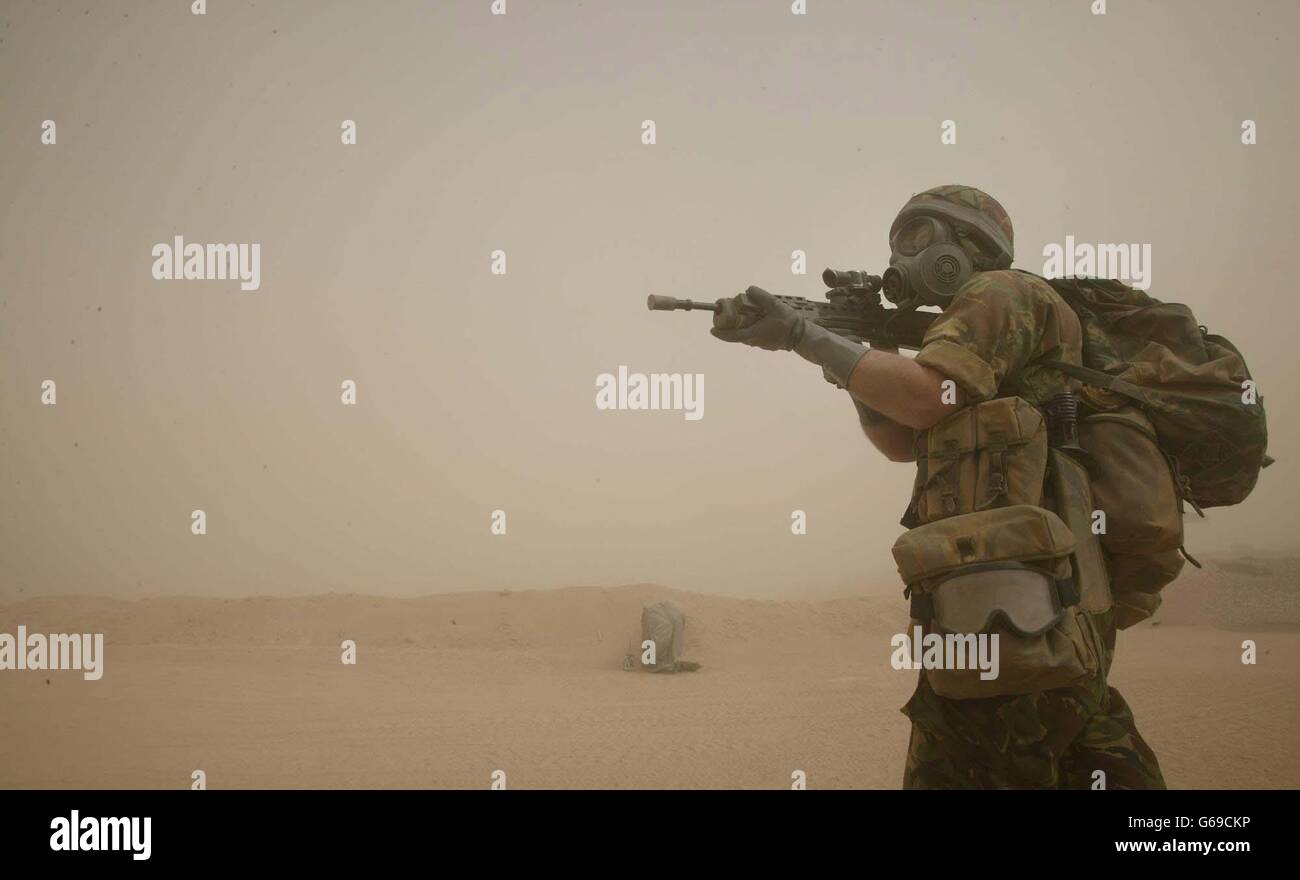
column 988, row 341
column 996, row 327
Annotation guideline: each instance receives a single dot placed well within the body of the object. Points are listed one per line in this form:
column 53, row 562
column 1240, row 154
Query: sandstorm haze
column 476, row 392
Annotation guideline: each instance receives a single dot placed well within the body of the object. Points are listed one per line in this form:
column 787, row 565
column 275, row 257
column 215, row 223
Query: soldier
column 951, row 247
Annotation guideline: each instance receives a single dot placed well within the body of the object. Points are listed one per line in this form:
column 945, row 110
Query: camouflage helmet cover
column 969, row 207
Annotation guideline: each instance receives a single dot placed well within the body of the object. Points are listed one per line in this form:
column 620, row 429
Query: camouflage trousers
column 1051, row 739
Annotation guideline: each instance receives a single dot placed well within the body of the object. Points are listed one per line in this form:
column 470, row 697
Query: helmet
column 939, row 239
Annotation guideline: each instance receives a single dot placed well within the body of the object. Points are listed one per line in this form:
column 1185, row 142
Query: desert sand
column 449, row 688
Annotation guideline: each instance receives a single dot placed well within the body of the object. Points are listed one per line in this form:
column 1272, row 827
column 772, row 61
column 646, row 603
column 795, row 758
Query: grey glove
column 778, row 327
column 757, row 318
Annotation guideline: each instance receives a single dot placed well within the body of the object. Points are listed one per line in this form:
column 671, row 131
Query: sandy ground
column 450, row 688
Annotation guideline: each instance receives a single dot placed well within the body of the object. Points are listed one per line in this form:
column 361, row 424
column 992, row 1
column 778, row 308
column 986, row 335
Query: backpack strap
column 1098, row 379
column 1135, row 393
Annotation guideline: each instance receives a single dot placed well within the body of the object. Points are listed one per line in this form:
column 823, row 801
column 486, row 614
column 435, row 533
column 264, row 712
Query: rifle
column 852, row 309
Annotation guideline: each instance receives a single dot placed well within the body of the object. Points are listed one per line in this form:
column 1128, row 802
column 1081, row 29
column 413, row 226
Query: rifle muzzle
column 656, row 303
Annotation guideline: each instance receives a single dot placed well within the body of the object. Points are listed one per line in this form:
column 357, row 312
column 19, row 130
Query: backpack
column 1193, row 385
column 1194, row 431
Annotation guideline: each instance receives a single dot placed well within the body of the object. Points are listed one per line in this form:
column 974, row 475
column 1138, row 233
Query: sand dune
column 449, row 688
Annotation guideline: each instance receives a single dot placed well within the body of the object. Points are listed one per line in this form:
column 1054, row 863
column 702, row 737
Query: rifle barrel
column 656, row 303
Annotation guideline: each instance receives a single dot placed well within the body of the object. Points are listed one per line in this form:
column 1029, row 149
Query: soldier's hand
column 757, row 318
column 735, row 313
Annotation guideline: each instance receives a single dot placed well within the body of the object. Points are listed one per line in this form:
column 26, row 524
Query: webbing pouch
column 1138, row 490
column 987, row 455
column 1005, row 573
column 1072, row 500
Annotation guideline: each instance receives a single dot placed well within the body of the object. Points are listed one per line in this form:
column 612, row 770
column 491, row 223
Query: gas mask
column 929, row 260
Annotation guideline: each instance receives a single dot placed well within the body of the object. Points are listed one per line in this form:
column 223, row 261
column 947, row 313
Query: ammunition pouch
column 988, row 455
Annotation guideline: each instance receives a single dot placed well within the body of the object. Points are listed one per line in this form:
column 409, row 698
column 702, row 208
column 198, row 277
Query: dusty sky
column 522, row 132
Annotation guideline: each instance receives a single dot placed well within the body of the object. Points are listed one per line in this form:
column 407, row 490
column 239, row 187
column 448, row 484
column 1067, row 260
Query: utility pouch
column 984, row 456
column 1072, row 500
column 1006, row 573
column 1138, row 490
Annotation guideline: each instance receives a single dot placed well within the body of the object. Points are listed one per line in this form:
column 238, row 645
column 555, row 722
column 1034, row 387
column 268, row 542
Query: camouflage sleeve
column 993, row 328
